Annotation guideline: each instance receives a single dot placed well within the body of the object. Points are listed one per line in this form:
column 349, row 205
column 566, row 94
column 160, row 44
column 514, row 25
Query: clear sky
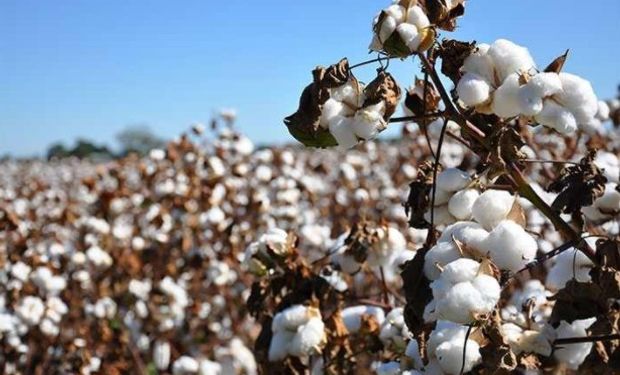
column 85, row 68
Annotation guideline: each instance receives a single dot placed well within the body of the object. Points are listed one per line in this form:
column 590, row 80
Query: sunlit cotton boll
column 185, row 365
column 509, row 246
column 341, row 129
column 446, row 344
column 568, row 265
column 492, row 207
column 573, row 355
column 473, row 89
column 452, row 179
column 461, row 203
column 30, row 310
column 461, row 292
column 368, row 121
column 352, row 316
column 161, row 355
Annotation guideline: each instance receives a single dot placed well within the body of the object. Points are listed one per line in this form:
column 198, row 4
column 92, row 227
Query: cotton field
column 484, row 238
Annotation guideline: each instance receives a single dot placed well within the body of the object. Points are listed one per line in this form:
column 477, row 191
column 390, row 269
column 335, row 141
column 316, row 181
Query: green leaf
column 322, row 138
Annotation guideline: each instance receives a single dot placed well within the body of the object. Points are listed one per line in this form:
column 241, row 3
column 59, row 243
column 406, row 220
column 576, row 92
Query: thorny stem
column 594, row 338
column 523, row 187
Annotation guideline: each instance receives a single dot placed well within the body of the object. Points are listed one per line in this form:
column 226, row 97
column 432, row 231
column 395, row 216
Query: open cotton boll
column 350, row 93
column 417, row 17
column 352, row 316
column 394, row 331
column 185, row 365
column 444, row 342
column 387, row 28
column 413, row 352
column 408, row 33
column 491, row 207
column 506, row 98
column 609, row 202
column 461, row 203
column 368, row 121
column 610, row 164
column 439, row 256
column 530, row 101
column 308, row 338
column 452, row 179
column 460, row 293
column 387, row 368
column 544, row 84
column 441, row 215
column 573, row 355
column 293, row 317
column 556, row 117
column 441, row 196
column 382, row 251
column 472, row 89
column 510, row 58
column 278, row 348
column 397, row 12
column 510, row 246
column 449, row 354
column 603, row 111
column 342, row 131
column 331, row 110
column 528, row 341
column 480, row 63
column 578, row 97
column 570, row 264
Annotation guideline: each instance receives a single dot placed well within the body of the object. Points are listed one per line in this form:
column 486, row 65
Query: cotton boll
column 397, row 12
column 459, row 303
column 161, row 355
column 491, row 207
column 308, row 338
column 529, row 101
column 293, row 317
column 578, row 97
column 30, row 310
column 609, row 202
column 349, row 93
column 506, row 98
column 510, row 246
column 278, row 347
column 408, row 33
column 570, row 264
column 510, row 58
column 450, row 356
column 480, row 63
column 368, row 122
column 441, row 196
column 573, row 355
column 544, row 84
column 556, row 117
column 439, row 256
column 452, row 179
column 472, row 89
column 331, row 110
column 207, row 367
column 413, row 352
column 603, row 111
column 342, row 131
column 460, row 270
column 417, row 17
column 387, row 368
column 185, row 365
column 387, row 28
column 461, row 203
column 352, row 316
column 441, row 216
column 610, row 164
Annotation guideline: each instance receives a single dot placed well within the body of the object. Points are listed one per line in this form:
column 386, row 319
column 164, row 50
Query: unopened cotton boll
column 452, row 179
column 573, row 355
column 510, row 246
column 492, row 207
column 342, row 131
column 461, row 203
column 473, row 89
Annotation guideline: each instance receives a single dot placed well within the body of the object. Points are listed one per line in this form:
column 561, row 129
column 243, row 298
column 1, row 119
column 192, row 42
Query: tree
column 138, row 139
column 57, row 151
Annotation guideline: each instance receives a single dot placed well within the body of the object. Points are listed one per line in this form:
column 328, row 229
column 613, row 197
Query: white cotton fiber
column 573, row 355
column 452, row 179
column 491, row 207
column 570, row 264
column 408, row 34
column 462, row 202
column 291, row 318
column 341, row 129
column 417, row 17
column 506, row 98
column 450, row 356
column 331, row 109
column 510, row 58
column 480, row 63
column 557, row 117
column 352, row 316
column 510, row 246
column 439, row 255
column 368, row 121
column 308, row 338
column 529, row 101
column 578, row 97
column 544, row 84
column 387, row 28
column 278, row 348
column 441, row 216
column 472, row 89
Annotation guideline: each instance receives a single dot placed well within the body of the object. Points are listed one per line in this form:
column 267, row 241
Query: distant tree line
column 136, row 139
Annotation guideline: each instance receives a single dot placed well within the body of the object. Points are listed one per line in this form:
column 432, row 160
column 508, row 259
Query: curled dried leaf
column 383, row 88
column 557, row 64
column 453, row 54
column 414, row 99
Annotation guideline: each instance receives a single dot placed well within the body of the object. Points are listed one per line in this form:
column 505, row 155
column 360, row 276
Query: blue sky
column 73, row 69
